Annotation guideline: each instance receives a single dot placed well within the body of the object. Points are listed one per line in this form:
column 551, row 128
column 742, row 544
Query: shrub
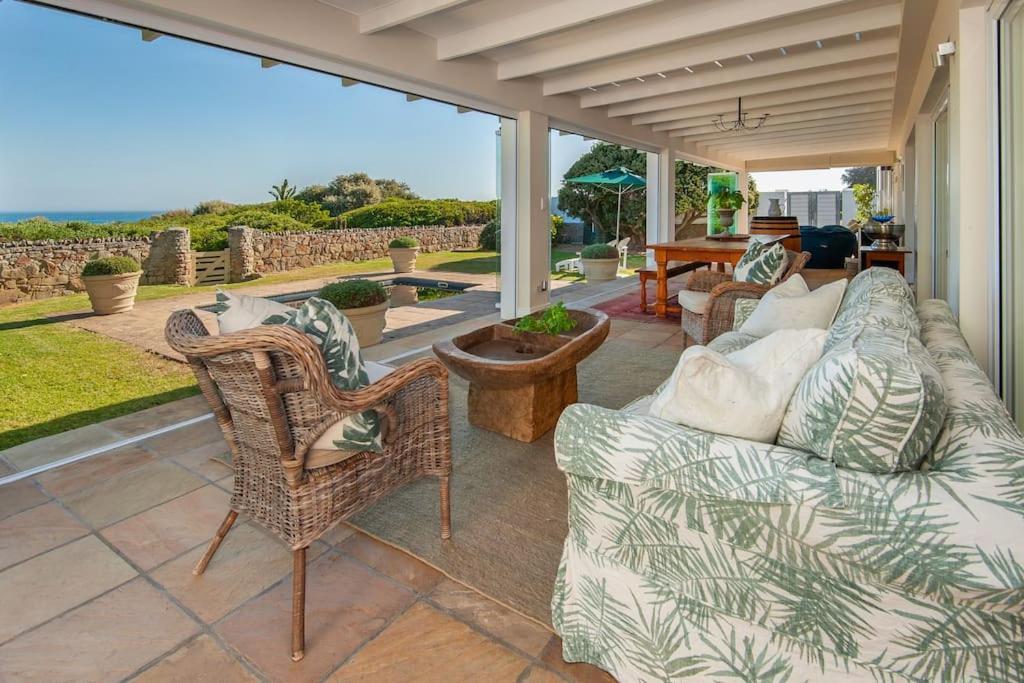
column 111, row 265
column 354, row 293
column 405, row 242
column 301, row 211
column 557, row 226
column 600, row 251
column 414, row 212
column 176, row 214
column 490, row 236
column 214, row 206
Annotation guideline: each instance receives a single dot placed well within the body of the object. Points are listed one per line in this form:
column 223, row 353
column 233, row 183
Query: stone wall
column 278, row 251
column 46, row 268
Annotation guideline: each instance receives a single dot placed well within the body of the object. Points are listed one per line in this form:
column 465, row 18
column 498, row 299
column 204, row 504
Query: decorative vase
column 368, row 322
column 403, row 258
column 725, row 218
column 773, row 207
column 110, row 294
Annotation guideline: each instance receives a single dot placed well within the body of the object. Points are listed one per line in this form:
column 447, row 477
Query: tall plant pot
column 725, row 217
column 110, row 294
column 600, row 269
column 368, row 322
column 403, row 258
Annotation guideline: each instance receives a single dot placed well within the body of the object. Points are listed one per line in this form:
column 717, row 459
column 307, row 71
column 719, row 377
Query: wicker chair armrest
column 371, row 397
column 706, row 280
column 720, row 310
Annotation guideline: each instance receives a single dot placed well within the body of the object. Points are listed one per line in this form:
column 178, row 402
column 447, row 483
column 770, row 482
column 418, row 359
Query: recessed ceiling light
column 783, row 50
column 857, row 35
column 661, row 75
column 640, row 79
column 750, row 58
column 719, row 64
column 616, row 84
column 688, row 69
column 819, row 44
column 591, row 88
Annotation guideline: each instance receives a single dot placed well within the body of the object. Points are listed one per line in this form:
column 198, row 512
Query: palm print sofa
column 691, row 554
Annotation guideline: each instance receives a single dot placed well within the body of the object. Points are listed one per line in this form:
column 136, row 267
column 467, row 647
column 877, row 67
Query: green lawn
column 55, row 377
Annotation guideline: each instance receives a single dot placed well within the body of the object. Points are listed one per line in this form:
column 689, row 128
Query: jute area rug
column 508, row 498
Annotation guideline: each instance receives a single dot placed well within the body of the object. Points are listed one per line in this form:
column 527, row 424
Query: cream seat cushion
column 693, row 301
column 792, row 305
column 744, row 393
column 237, row 312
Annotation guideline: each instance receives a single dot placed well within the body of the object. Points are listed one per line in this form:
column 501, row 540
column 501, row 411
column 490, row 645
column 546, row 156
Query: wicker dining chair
column 272, row 397
column 714, row 296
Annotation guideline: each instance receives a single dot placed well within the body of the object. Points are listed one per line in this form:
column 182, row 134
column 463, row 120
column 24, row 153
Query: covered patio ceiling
column 829, row 72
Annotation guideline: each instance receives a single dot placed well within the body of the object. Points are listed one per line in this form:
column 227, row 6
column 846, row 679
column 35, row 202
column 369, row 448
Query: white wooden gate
column 211, row 267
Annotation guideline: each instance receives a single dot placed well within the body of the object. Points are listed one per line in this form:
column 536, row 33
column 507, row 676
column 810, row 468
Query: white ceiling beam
column 772, row 99
column 872, row 97
column 681, row 21
column 749, row 142
column 552, row 17
column 802, row 117
column 762, row 68
column 870, row 139
column 769, row 130
column 402, row 12
column 864, row 157
column 831, row 147
column 803, row 79
column 737, row 43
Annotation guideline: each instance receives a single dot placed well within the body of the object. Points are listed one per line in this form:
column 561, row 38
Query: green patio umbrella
column 618, row 180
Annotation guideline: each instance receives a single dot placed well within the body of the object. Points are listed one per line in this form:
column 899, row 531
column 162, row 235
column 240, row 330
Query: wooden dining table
column 716, row 251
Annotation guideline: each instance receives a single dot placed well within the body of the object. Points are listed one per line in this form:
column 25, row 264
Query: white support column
column 509, row 180
column 661, row 198
column 533, row 214
column 743, row 215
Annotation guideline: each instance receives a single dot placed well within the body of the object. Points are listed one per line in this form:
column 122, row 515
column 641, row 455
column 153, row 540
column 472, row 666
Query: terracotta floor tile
column 399, row 565
column 347, row 604
column 161, row 533
column 147, row 420
column 489, row 616
column 126, row 494
column 175, row 442
column 424, row 644
column 207, row 460
column 103, row 640
column 538, row 674
column 51, row 448
column 43, row 587
column 20, row 496
column 83, row 474
column 248, row 562
column 203, row 661
column 35, row 531
column 584, row 673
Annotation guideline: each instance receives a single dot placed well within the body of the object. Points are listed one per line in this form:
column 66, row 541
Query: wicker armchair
column 272, row 397
column 715, row 314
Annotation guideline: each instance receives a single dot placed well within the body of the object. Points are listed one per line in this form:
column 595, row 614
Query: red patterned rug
column 627, row 306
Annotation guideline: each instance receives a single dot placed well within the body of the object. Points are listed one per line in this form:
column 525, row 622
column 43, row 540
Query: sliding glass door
column 1011, row 76
column 941, row 209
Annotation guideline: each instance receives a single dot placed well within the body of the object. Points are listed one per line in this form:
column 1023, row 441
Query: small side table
column 889, row 258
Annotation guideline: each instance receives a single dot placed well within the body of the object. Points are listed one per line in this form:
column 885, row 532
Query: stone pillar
column 242, row 256
column 170, row 258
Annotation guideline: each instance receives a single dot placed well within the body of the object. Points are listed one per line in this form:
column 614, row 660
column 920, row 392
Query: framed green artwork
column 716, row 181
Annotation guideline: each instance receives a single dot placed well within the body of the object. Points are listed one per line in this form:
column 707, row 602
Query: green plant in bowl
column 354, row 294
column 404, row 242
column 111, row 265
column 553, row 320
column 600, row 251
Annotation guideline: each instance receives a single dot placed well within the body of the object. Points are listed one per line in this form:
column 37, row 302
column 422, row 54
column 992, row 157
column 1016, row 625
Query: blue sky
column 95, row 119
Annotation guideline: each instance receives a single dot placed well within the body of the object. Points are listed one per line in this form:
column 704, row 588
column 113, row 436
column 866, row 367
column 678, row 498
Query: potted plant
column 364, row 303
column 112, row 283
column 728, row 202
column 554, row 320
column 600, row 262
column 403, row 252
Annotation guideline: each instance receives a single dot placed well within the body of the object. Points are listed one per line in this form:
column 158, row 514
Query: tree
column 691, row 195
column 282, row 191
column 753, row 195
column 864, row 195
column 859, row 175
column 596, row 205
column 391, row 188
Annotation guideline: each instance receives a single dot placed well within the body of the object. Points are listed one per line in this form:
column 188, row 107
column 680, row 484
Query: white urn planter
column 726, row 217
column 111, row 294
column 403, row 258
column 600, row 269
column 368, row 322
column 404, row 295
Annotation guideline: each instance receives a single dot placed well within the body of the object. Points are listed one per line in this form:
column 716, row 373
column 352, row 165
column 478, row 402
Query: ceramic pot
column 725, row 217
column 773, row 207
column 403, row 258
column 112, row 293
column 404, row 295
column 600, row 269
column 368, row 322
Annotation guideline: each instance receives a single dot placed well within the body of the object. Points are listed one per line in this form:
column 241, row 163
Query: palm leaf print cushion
column 763, row 263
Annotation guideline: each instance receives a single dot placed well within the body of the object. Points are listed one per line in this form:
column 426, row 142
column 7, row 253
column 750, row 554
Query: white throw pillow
column 743, row 394
column 793, row 306
column 240, row 311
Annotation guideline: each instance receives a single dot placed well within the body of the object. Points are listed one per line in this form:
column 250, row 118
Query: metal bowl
column 885, row 235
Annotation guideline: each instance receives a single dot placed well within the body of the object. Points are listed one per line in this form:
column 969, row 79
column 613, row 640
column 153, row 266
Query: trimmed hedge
column 404, row 242
column 111, row 265
column 354, row 293
column 600, row 251
column 399, row 213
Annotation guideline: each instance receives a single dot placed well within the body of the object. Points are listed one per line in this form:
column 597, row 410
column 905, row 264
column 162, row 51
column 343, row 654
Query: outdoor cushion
column 742, row 308
column 324, row 452
column 693, row 300
column 763, row 263
column 730, row 341
column 240, row 311
column 743, row 394
column 877, row 298
column 792, row 305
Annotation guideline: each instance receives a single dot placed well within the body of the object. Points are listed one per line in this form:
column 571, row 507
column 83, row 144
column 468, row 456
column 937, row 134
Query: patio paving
column 97, row 556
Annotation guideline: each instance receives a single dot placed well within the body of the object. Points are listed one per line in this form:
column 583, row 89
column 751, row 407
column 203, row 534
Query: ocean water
column 85, row 216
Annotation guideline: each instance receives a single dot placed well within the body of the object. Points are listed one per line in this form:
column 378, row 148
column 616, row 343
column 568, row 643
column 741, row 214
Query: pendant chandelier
column 741, row 122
